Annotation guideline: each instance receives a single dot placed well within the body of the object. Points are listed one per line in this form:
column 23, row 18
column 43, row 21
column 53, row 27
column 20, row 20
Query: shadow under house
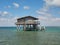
column 29, row 23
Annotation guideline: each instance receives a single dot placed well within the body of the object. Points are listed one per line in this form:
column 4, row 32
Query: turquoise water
column 10, row 36
column 48, row 29
column 52, row 29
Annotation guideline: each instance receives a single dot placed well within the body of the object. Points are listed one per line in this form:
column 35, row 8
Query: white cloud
column 43, row 12
column 46, row 18
column 26, row 7
column 46, row 21
column 0, row 12
column 8, row 21
column 56, row 19
column 4, row 13
column 8, row 6
column 52, row 2
column 16, row 5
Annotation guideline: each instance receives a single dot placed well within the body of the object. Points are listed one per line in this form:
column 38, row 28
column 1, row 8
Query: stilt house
column 29, row 23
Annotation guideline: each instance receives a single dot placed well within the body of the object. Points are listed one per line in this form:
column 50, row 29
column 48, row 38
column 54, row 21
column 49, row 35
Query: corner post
column 18, row 27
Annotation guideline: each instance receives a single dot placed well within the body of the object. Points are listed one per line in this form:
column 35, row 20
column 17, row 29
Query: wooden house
column 29, row 23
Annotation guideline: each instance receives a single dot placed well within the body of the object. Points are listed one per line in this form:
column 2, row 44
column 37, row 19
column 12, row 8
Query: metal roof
column 28, row 17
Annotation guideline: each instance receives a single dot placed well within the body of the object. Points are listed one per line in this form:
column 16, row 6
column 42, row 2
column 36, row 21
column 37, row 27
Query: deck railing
column 29, row 22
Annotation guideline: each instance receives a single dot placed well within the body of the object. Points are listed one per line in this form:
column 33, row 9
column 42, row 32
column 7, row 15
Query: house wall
column 26, row 19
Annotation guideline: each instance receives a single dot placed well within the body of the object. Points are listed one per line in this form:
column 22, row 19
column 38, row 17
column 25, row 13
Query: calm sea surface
column 10, row 36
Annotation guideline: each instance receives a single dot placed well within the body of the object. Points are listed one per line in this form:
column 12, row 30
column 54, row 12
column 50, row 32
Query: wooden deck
column 27, row 23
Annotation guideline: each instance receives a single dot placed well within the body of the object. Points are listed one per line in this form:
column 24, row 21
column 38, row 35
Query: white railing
column 29, row 22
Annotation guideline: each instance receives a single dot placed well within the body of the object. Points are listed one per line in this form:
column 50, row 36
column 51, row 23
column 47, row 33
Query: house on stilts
column 29, row 23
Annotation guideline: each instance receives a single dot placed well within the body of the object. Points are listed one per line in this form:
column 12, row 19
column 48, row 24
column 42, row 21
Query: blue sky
column 48, row 11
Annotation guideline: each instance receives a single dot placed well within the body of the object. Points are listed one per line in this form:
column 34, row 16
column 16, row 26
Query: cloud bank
column 45, row 17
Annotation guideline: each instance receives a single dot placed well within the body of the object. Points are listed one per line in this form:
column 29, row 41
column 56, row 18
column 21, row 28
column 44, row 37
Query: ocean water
column 48, row 29
column 52, row 29
column 10, row 36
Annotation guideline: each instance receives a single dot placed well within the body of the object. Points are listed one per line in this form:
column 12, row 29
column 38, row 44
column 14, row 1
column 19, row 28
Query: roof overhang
column 34, row 18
